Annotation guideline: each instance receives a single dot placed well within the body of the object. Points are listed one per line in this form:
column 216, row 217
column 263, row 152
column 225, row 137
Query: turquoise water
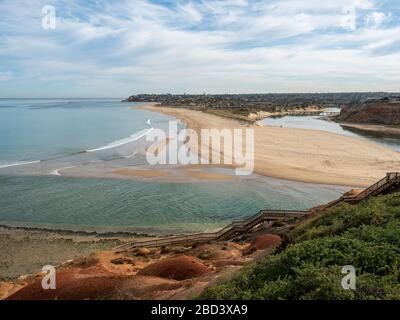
column 57, row 131
column 39, row 129
column 150, row 207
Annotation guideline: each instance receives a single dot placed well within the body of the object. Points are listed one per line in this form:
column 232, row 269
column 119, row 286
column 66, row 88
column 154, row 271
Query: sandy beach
column 373, row 129
column 302, row 155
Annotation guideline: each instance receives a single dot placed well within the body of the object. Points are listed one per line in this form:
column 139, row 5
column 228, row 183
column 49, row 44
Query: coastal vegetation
column 260, row 101
column 357, row 108
column 309, row 264
column 241, row 114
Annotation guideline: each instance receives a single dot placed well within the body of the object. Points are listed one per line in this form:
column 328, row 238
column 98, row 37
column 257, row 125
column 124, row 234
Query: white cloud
column 84, row 31
column 376, row 19
column 190, row 12
column 124, row 47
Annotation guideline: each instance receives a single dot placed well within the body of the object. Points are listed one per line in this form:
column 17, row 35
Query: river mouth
column 65, row 189
column 321, row 122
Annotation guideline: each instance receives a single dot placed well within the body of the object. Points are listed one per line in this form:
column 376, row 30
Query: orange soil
column 131, row 275
column 265, row 242
column 73, row 284
column 177, row 268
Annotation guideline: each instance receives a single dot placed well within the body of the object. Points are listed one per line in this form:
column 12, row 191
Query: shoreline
column 160, row 173
column 84, row 233
column 101, row 233
column 24, row 251
column 301, row 155
column 372, row 129
column 284, row 153
column 253, row 116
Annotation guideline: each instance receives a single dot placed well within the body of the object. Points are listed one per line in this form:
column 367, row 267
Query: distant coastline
column 378, row 117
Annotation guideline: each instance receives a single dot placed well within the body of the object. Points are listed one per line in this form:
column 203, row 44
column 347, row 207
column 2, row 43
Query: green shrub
column 334, row 221
column 366, row 236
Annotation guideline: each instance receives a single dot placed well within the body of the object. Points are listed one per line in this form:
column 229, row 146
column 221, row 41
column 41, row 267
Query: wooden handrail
column 244, row 225
column 235, row 227
column 390, row 179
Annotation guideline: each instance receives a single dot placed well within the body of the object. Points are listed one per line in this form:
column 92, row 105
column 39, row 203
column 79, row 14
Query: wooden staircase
column 387, row 184
column 237, row 227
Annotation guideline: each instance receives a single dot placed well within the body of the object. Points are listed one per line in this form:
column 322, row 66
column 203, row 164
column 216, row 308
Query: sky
column 116, row 48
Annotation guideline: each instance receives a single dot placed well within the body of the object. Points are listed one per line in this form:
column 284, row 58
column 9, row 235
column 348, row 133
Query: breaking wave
column 17, row 163
column 134, row 137
column 57, row 171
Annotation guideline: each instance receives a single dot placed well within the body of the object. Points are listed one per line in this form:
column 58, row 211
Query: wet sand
column 25, row 250
column 176, row 174
column 209, row 175
column 300, row 154
column 141, row 173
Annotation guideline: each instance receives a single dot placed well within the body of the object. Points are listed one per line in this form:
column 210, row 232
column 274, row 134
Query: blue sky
column 114, row 48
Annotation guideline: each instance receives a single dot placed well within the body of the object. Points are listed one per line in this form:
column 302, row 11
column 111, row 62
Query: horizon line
column 204, row 93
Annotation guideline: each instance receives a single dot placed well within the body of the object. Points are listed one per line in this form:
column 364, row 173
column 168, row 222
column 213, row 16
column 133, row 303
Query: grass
column 366, row 236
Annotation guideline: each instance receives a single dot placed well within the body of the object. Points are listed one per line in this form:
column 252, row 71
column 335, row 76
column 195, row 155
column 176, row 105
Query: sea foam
column 57, row 171
column 134, row 137
column 17, row 163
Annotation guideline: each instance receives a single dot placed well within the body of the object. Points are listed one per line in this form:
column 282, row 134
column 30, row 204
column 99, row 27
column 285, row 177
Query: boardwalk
column 235, row 228
column 387, row 184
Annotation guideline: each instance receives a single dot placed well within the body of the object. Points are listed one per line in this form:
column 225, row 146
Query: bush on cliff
column 366, row 236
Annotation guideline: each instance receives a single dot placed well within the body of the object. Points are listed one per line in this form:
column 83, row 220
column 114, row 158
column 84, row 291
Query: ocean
column 40, row 136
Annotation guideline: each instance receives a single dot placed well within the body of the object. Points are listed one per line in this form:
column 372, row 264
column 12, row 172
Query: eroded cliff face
column 382, row 112
column 170, row 272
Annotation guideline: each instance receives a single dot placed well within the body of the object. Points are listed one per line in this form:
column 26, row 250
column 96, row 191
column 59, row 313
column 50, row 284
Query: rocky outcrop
column 384, row 111
column 73, row 284
column 266, row 241
column 173, row 272
column 176, row 268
